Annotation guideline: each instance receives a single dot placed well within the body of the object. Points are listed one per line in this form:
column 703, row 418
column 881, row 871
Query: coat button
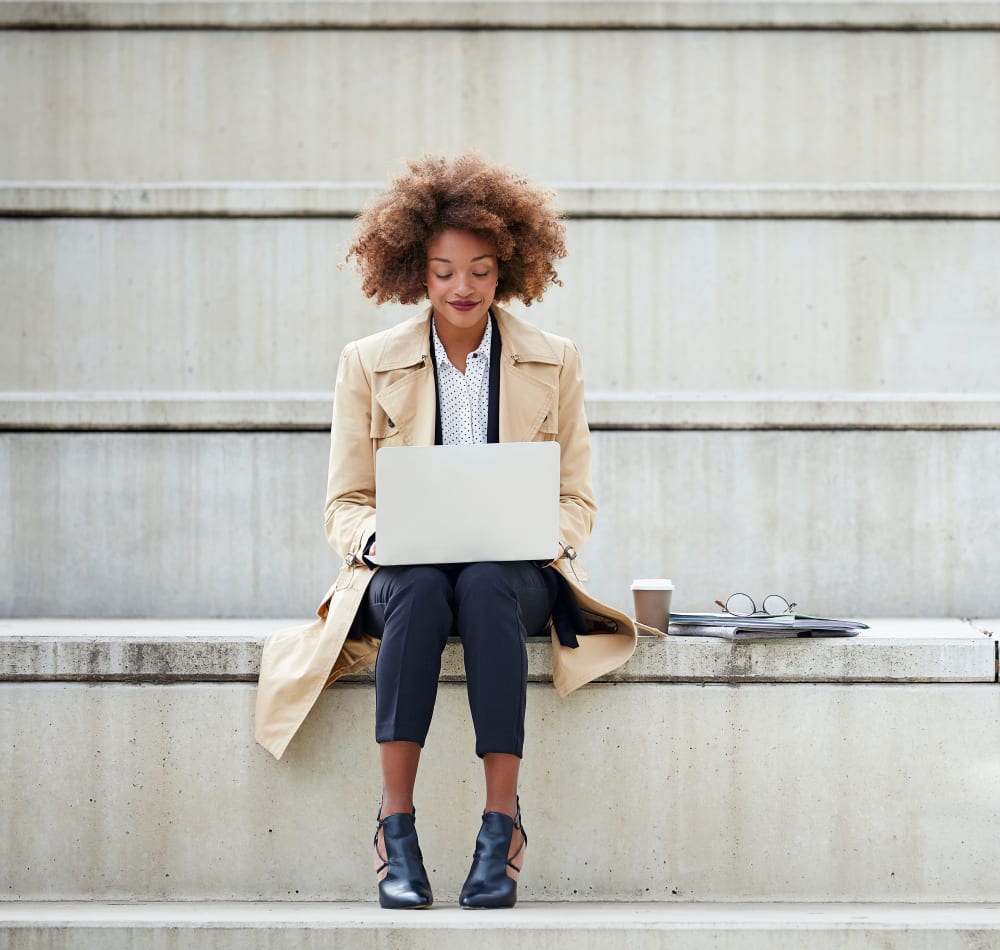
column 392, row 425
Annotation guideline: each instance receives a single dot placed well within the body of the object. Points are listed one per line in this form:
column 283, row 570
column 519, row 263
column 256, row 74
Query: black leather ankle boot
column 406, row 884
column 488, row 884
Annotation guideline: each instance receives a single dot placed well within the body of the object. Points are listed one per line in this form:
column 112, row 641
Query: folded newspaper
column 761, row 627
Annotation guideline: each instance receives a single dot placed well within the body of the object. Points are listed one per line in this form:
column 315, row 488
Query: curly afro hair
column 470, row 194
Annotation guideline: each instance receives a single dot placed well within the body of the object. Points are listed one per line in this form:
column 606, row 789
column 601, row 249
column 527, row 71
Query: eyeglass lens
column 741, row 605
column 775, row 604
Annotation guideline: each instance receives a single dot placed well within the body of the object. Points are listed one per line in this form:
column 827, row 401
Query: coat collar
column 408, row 343
column 527, row 395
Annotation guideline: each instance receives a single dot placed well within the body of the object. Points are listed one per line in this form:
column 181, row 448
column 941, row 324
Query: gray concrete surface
column 230, row 524
column 899, row 14
column 591, row 926
column 575, row 199
column 765, row 106
column 630, row 792
column 159, row 651
column 684, row 306
column 695, row 774
column 246, row 410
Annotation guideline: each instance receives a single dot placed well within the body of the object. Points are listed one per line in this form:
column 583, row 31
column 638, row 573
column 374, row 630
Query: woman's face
column 461, row 278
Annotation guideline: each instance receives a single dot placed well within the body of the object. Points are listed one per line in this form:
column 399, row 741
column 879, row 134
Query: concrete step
column 304, row 926
column 713, row 106
column 857, row 770
column 576, row 199
column 230, row 523
column 255, row 411
column 879, row 306
column 500, row 14
column 894, row 650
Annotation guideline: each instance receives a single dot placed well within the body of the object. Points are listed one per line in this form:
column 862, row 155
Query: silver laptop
column 443, row 504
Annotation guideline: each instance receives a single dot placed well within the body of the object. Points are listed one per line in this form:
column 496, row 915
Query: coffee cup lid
column 653, row 583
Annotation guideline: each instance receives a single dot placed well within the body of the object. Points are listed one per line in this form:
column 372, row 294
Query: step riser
column 664, row 106
column 631, row 792
column 174, row 295
column 216, row 524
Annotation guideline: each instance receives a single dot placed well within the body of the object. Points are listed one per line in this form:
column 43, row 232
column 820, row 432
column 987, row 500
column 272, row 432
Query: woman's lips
column 463, row 305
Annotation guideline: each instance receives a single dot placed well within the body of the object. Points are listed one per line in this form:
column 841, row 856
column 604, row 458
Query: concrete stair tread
column 185, row 650
column 577, row 199
column 498, row 14
column 528, row 915
column 589, row 926
column 310, row 411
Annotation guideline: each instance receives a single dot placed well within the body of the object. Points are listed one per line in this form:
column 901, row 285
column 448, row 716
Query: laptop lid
column 442, row 504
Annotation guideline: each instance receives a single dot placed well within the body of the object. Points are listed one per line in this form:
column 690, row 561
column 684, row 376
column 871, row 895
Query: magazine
column 762, row 627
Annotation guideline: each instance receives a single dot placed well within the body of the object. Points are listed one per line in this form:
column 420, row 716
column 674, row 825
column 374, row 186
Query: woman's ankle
column 505, row 806
column 397, row 806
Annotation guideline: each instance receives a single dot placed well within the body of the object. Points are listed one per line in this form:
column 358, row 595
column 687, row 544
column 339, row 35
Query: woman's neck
column 459, row 342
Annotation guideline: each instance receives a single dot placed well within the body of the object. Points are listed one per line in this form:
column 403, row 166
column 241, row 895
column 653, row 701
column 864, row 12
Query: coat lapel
column 525, row 401
column 529, row 370
column 408, row 400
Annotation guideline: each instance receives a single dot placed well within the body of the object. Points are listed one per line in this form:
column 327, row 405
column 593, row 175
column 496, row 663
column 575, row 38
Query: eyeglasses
column 742, row 605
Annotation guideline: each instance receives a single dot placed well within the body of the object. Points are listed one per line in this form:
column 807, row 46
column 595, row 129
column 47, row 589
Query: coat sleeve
column 577, row 507
column 350, row 492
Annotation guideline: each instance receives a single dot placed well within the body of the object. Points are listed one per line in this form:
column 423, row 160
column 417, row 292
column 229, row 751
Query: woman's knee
column 485, row 579
column 492, row 590
column 419, row 583
column 418, row 594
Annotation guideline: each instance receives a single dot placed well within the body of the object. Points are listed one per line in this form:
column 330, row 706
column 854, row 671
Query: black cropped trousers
column 493, row 607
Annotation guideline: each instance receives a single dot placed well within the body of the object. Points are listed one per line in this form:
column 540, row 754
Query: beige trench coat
column 386, row 396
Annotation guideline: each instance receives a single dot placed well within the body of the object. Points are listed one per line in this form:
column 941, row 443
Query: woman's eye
column 487, row 274
column 442, row 276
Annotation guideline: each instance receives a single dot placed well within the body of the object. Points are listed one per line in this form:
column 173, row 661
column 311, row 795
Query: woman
column 465, row 236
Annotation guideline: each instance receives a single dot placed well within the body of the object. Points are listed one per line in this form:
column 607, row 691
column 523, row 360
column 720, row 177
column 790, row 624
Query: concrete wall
column 623, row 105
column 783, row 236
column 687, row 792
column 755, row 306
column 230, row 524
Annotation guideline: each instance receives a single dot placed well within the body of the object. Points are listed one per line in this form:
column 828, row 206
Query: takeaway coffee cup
column 651, row 596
